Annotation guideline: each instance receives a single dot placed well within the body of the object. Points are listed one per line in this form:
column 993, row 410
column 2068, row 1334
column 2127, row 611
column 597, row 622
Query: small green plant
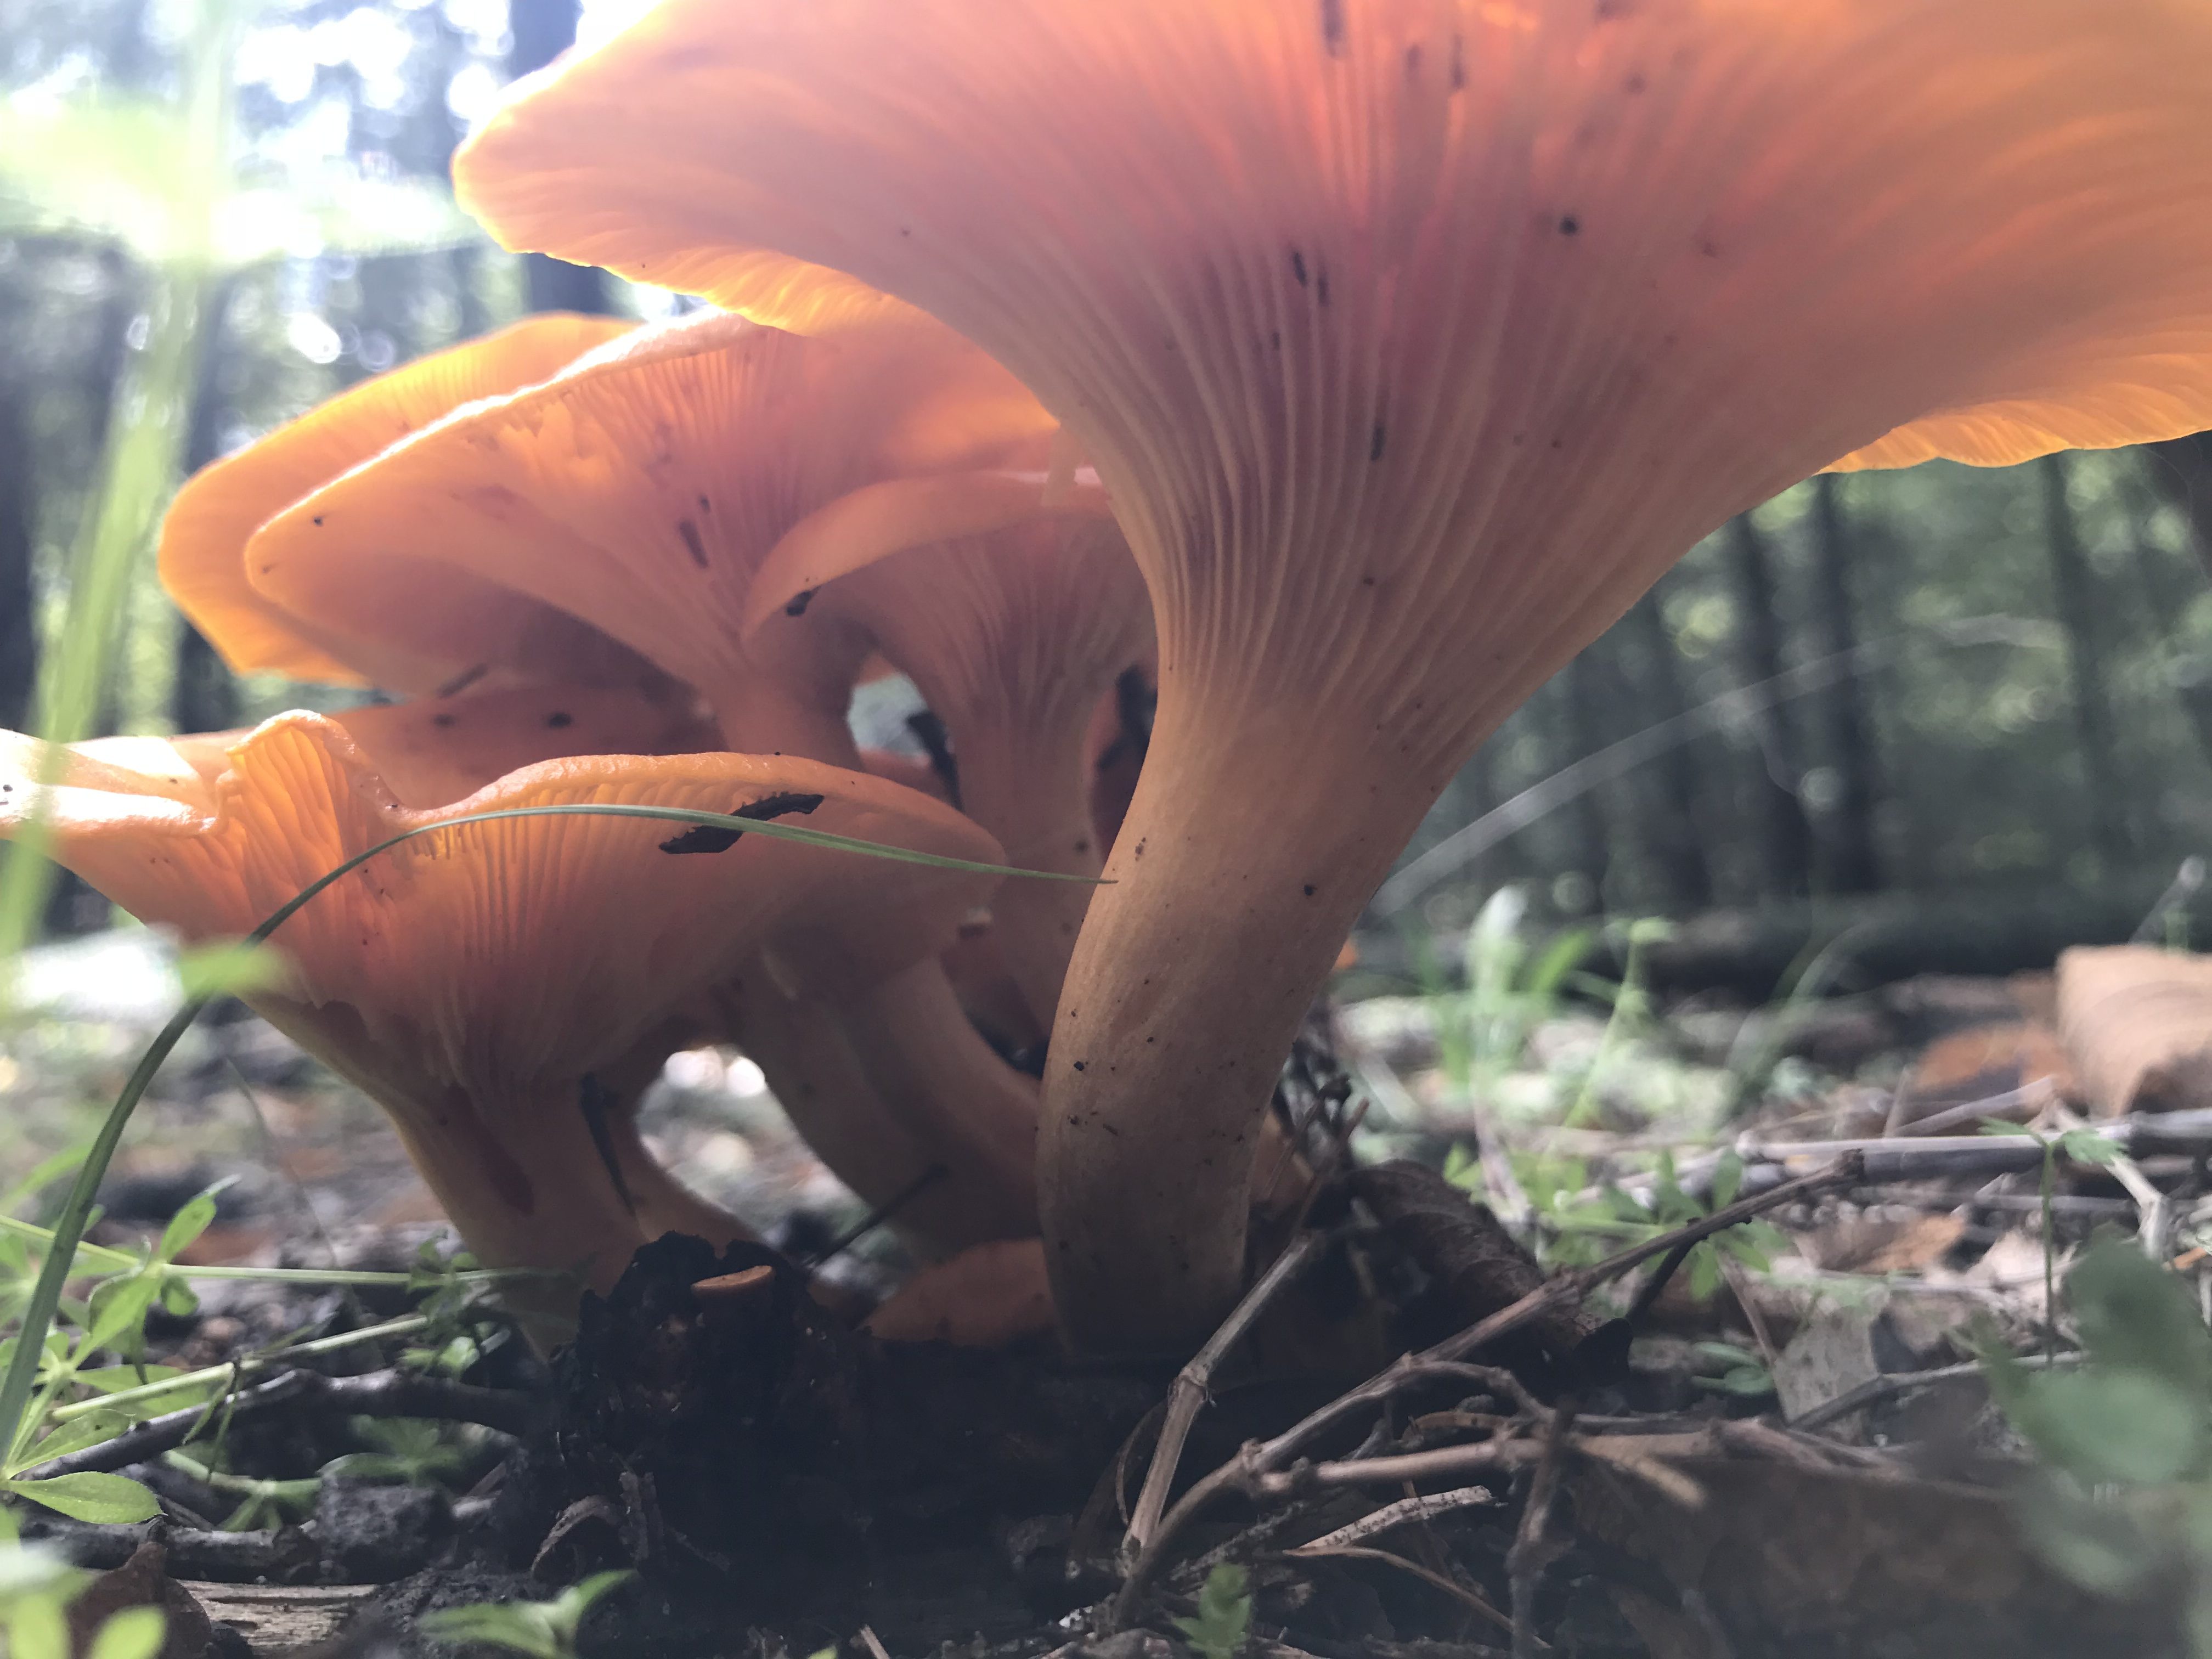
column 36, row 1588
column 1725, row 1368
column 1225, row 1614
column 1594, row 1228
column 2082, row 1146
column 543, row 1630
column 1482, row 1031
column 2123, row 1498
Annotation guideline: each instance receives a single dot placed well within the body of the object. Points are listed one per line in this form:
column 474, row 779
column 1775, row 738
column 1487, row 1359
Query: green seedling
column 541, row 1630
column 1223, row 1620
column 2081, row 1146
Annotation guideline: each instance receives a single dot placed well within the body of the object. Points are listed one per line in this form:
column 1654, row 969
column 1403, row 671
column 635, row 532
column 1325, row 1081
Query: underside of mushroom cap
column 640, row 488
column 1012, row 636
column 496, row 954
column 203, row 537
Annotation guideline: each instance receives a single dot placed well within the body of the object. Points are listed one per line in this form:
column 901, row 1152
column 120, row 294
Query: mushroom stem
column 1242, row 864
column 939, row 1077
column 1034, row 797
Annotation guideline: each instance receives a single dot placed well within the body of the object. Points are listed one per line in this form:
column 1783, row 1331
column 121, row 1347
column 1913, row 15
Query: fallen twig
column 1250, row 1469
column 1416, row 1508
column 1877, row 1390
column 378, row 1394
column 1450, row 1587
column 1533, row 1549
column 1188, row 1395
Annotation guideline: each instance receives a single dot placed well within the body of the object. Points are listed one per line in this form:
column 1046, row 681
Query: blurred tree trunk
column 1851, row 865
column 2074, row 591
column 1671, row 823
column 1785, row 838
column 2181, row 470
column 19, row 637
column 203, row 694
column 541, row 30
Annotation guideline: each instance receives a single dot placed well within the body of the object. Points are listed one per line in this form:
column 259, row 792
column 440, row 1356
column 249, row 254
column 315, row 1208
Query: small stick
column 1188, row 1393
column 1532, row 1550
column 874, row 1642
column 1454, row 1462
column 1261, row 1457
column 377, row 1393
column 1450, row 1587
column 1875, row 1389
column 1415, row 1508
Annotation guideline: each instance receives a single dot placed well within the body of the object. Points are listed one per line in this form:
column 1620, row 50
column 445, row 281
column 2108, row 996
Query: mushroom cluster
column 1349, row 364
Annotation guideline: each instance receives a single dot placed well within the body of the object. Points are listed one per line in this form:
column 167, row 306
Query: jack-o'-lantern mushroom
column 1414, row 339
column 203, row 535
column 475, row 981
column 1011, row 634
column 638, row 490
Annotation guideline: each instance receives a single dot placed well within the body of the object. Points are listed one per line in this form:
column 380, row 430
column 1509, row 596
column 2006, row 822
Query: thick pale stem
column 940, row 1079
column 1035, row 801
column 1249, row 848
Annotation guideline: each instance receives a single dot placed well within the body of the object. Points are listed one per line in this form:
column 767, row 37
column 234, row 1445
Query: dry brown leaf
column 1863, row 1244
column 2137, row 1023
column 1984, row 1061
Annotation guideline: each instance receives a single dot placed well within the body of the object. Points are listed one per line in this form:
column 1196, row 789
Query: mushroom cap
column 498, row 955
column 436, row 750
column 640, row 488
column 1411, row 274
column 203, row 537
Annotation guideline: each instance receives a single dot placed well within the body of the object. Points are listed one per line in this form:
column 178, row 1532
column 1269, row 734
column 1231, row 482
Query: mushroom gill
column 476, row 981
column 203, row 535
column 1011, row 634
column 1414, row 339
column 639, row 491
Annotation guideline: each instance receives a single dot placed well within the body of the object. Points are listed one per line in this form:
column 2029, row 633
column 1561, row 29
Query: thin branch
column 1188, row 1393
column 1450, row 1587
column 1533, row 1548
column 1416, row 1508
column 1261, row 1458
column 1877, row 1390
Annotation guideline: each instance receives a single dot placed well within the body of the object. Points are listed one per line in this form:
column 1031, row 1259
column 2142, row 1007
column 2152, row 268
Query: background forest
column 1982, row 697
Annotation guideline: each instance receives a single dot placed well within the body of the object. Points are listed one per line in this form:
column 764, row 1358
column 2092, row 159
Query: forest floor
column 1614, row 1436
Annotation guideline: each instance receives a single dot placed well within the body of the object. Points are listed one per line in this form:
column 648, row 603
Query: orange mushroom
column 205, row 534
column 475, row 981
column 1012, row 636
column 638, row 490
column 1414, row 339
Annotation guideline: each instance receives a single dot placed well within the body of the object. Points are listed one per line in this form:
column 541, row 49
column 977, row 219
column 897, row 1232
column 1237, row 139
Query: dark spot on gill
column 1458, row 62
column 705, row 506
column 464, row 680
column 319, row 521
column 1079, row 1065
column 559, row 721
column 1331, row 27
column 692, row 544
column 1374, row 443
column 1321, row 284
column 1413, row 62
column 594, row 1100
column 442, row 720
column 1310, row 890
column 796, row 606
column 1298, row 266
column 714, row 838
column 1634, row 85
column 1570, row 225
column 936, row 742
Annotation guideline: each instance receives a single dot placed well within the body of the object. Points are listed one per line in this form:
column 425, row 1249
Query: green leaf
column 196, row 1216
column 75, row 1435
column 229, row 968
column 1561, row 957
column 2132, row 1312
column 1998, row 1125
column 1225, row 1614
column 131, row 1633
column 2105, row 1425
column 1727, row 1180
column 37, row 1630
column 106, row 1499
column 2088, row 1146
column 2099, row 1546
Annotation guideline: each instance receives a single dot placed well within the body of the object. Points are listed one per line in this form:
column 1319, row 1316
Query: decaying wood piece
column 2137, row 1022
column 283, row 1619
column 1480, row 1268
